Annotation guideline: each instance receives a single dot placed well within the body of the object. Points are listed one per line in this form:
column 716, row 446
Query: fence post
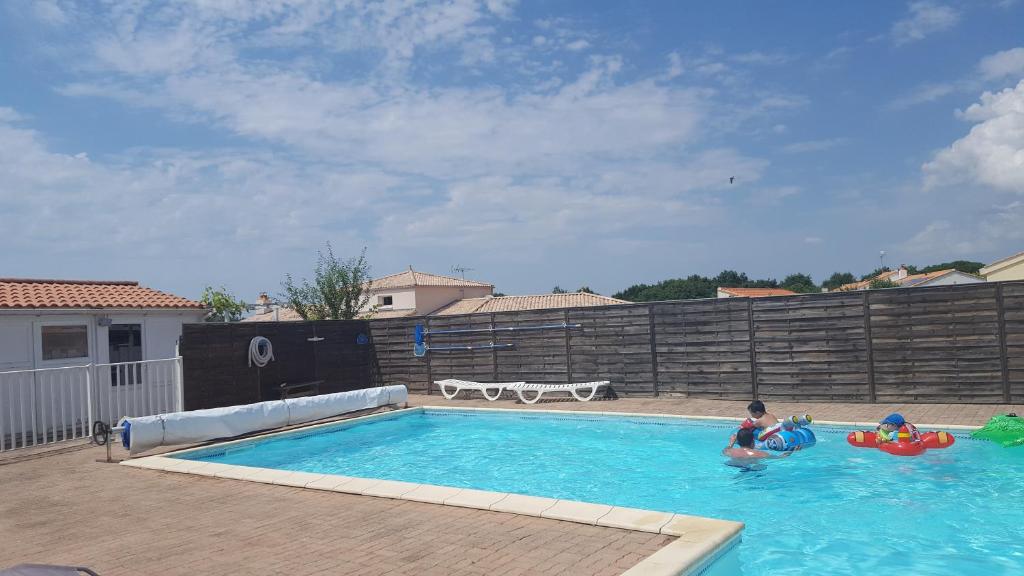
column 654, row 346
column 179, row 385
column 426, row 342
column 88, row 394
column 494, row 352
column 1003, row 360
column 568, row 348
column 753, row 351
column 872, row 391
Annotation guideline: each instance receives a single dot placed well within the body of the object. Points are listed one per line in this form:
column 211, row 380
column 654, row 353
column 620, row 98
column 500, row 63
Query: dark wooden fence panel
column 393, row 340
column 1013, row 318
column 476, row 365
column 942, row 344
column 216, row 367
column 811, row 348
column 614, row 344
column 538, row 355
column 703, row 348
column 937, row 344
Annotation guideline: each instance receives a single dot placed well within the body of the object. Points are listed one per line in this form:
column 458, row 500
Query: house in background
column 1009, row 268
column 902, row 278
column 413, row 293
column 489, row 304
column 724, row 292
column 57, row 323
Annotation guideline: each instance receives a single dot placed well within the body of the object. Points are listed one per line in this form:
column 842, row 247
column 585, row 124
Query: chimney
column 901, row 273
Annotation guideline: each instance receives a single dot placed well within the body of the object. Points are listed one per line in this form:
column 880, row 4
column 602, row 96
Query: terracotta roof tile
column 410, row 278
column 757, row 292
column 32, row 293
column 532, row 302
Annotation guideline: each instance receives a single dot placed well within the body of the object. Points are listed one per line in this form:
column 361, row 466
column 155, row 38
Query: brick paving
column 955, row 414
column 64, row 507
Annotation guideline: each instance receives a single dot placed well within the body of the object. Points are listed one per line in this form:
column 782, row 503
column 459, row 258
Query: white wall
column 952, row 278
column 15, row 343
column 20, row 345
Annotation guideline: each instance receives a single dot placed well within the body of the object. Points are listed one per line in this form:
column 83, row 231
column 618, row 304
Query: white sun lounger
column 574, row 389
column 482, row 387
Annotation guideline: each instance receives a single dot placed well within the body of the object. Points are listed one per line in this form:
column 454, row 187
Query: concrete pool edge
column 843, row 424
column 698, row 539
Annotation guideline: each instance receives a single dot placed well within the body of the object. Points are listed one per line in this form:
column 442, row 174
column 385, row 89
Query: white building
column 56, row 323
column 407, row 293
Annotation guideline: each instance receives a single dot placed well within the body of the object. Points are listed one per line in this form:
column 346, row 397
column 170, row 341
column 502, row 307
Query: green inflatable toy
column 1006, row 430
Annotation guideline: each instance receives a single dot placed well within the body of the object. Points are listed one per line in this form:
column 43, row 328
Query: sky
column 534, row 143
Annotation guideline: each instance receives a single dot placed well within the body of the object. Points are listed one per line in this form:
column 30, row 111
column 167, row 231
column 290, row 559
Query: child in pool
column 760, row 417
column 746, row 456
column 888, row 428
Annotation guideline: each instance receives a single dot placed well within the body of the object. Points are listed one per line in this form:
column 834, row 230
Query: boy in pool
column 746, row 456
column 888, row 428
column 760, row 417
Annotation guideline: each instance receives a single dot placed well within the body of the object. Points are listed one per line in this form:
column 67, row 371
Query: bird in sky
column 731, row 178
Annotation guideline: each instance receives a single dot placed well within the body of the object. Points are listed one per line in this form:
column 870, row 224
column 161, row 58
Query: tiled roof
column 534, row 302
column 757, row 292
column 410, row 278
column 31, row 293
column 915, row 279
column 283, row 314
column 1000, row 263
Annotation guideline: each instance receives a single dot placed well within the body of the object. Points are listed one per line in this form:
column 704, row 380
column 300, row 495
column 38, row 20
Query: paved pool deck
column 62, row 506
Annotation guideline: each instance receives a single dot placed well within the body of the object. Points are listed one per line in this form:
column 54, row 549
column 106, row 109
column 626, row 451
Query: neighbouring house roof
column 282, row 314
column 907, row 281
column 21, row 293
column 1008, row 261
column 411, row 278
column 756, row 292
column 533, row 302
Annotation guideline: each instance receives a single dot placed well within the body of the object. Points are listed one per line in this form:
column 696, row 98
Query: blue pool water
column 832, row 509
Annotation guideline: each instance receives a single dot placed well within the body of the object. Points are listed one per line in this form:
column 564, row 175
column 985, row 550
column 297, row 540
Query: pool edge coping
column 960, row 427
column 697, row 538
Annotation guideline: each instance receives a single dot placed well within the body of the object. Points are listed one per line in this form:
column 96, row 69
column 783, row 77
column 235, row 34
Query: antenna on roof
column 461, row 270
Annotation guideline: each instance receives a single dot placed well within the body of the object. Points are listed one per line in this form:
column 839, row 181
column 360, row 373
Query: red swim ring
column 909, row 441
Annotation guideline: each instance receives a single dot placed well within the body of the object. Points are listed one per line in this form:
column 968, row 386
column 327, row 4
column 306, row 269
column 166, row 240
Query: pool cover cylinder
column 147, row 432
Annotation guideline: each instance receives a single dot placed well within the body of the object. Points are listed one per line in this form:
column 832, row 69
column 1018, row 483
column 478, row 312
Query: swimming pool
column 832, row 509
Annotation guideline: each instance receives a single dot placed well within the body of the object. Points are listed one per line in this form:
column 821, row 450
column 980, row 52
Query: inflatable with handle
column 784, row 436
column 908, row 442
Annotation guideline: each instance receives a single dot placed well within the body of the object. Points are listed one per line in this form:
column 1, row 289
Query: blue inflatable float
column 785, row 436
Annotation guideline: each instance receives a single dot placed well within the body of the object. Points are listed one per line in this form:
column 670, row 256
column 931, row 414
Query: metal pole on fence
column 88, row 395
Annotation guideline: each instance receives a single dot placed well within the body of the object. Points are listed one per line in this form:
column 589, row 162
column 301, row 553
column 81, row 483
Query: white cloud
column 812, row 240
column 814, row 145
column 925, row 18
column 924, row 94
column 1003, row 64
column 577, row 45
column 989, row 231
column 992, row 153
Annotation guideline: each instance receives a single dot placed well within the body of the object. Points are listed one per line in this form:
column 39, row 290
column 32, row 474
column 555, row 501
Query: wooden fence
column 941, row 344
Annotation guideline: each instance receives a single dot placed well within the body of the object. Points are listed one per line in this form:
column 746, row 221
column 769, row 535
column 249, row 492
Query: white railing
column 54, row 404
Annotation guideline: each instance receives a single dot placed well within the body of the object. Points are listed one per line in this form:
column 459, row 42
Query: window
column 64, row 342
column 386, row 300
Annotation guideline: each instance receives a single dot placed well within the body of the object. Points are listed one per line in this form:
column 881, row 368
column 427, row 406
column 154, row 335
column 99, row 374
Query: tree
column 585, row 290
column 694, row 286
column 837, row 279
column 222, row 304
column 338, row 292
column 800, row 283
column 559, row 290
column 967, row 266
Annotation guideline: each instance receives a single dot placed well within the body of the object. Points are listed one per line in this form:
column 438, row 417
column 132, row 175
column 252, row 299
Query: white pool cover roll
column 148, row 432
